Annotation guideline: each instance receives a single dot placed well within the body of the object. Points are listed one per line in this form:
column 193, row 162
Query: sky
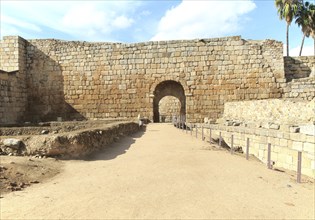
column 130, row 21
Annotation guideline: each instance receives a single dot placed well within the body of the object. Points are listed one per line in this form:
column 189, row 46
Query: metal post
column 191, row 129
column 186, row 128
column 196, row 131
column 202, row 134
column 220, row 139
column 232, row 144
column 299, row 167
column 269, row 156
column 210, row 138
column 247, row 148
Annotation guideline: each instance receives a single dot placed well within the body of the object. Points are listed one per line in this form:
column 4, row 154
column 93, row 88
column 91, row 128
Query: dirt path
column 165, row 174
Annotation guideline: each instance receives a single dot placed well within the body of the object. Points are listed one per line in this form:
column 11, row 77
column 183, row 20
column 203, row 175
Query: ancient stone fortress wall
column 13, row 88
column 81, row 80
column 108, row 80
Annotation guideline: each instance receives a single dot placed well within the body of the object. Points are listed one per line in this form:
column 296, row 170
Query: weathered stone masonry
column 13, row 88
column 56, row 78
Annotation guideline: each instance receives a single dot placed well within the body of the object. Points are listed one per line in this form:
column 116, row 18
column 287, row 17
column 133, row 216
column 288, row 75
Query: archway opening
column 169, row 107
column 169, row 88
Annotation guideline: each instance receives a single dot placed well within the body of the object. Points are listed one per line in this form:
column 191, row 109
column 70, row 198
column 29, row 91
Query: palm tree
column 287, row 9
column 303, row 21
column 312, row 22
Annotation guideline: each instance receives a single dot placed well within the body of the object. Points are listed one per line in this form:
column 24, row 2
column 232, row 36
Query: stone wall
column 169, row 106
column 101, row 80
column 300, row 74
column 281, row 112
column 81, row 80
column 13, row 92
column 299, row 67
column 288, row 125
column 300, row 89
column 284, row 145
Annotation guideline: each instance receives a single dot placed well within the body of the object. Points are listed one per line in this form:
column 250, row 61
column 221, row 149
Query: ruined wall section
column 13, row 93
column 299, row 67
column 300, row 76
column 300, row 89
column 107, row 80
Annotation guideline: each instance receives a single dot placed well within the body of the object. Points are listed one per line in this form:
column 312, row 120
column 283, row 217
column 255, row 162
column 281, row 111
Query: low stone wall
column 299, row 67
column 73, row 144
column 284, row 145
column 281, row 112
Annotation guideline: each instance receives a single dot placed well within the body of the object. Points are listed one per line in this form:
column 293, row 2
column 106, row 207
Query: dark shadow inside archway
column 168, row 88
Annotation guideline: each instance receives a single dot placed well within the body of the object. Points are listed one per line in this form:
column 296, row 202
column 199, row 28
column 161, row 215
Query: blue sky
column 138, row 21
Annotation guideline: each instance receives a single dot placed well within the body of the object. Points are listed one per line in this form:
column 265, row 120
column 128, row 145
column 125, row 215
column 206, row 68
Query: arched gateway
column 168, row 88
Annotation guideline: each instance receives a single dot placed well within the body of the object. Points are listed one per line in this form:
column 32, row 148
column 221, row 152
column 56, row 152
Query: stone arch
column 168, row 88
column 182, row 82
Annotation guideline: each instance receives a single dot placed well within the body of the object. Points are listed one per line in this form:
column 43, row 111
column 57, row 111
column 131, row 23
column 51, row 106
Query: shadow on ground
column 117, row 148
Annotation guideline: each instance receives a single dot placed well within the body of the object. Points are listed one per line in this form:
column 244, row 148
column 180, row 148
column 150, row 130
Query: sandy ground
column 163, row 173
column 18, row 173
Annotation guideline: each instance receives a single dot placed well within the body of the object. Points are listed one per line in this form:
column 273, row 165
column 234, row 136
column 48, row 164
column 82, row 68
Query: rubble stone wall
column 101, row 80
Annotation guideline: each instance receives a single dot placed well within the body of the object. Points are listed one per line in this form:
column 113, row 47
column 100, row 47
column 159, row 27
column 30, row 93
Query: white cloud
column 19, row 24
column 307, row 51
column 122, row 22
column 146, row 13
column 202, row 19
column 88, row 20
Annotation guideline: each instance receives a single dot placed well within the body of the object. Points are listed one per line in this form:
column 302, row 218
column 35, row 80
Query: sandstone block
column 12, row 143
column 309, row 147
column 297, row 146
column 307, row 129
